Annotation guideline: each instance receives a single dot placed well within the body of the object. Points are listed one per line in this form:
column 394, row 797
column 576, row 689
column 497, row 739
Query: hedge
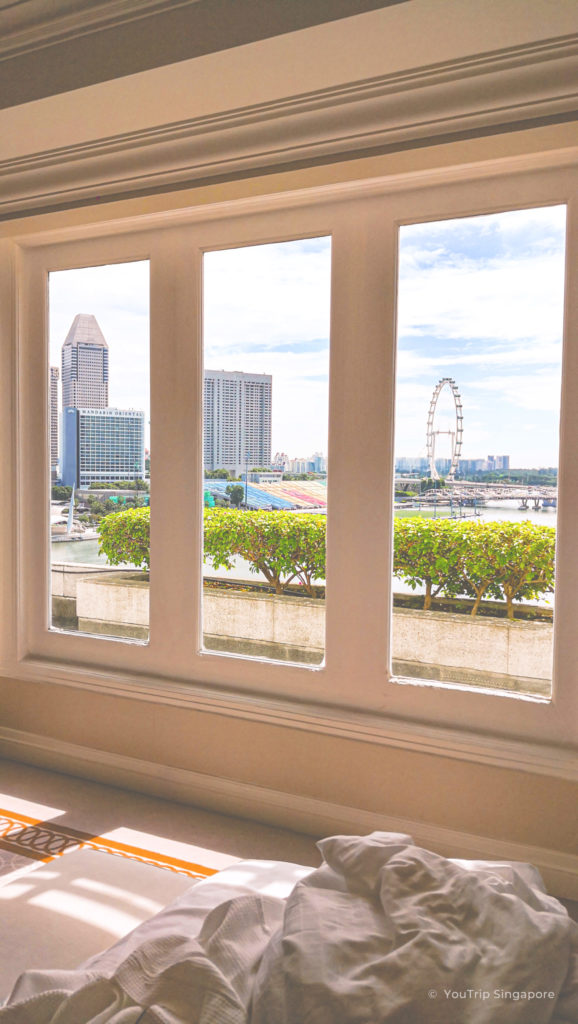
column 505, row 561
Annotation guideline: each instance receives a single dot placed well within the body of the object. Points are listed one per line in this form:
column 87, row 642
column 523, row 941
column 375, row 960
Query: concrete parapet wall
column 66, row 575
column 448, row 647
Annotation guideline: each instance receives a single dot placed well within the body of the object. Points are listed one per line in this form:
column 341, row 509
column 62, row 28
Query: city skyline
column 480, row 299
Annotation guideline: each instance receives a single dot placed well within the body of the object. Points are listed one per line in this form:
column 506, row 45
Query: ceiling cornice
column 50, row 48
column 503, row 90
column 31, row 24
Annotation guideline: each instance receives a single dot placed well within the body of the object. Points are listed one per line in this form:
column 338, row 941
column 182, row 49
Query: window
column 359, row 670
column 99, row 434
column 265, row 390
column 480, row 320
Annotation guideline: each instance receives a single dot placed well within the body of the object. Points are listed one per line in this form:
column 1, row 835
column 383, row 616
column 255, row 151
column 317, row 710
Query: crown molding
column 505, row 90
column 34, row 24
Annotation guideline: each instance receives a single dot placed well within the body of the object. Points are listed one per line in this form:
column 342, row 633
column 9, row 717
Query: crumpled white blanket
column 383, row 931
column 386, row 931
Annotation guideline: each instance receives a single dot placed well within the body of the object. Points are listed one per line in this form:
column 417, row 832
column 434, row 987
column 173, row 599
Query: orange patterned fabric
column 36, row 840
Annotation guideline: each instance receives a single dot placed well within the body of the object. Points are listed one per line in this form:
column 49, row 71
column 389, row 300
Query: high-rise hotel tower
column 237, row 420
column 99, row 444
column 85, row 365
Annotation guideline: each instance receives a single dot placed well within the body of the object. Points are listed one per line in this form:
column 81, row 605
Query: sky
column 480, row 299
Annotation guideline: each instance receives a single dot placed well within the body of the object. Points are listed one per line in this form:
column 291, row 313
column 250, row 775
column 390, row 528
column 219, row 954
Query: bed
column 382, row 931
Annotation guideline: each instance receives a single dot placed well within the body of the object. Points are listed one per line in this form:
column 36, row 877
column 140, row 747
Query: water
column 84, row 552
column 498, row 511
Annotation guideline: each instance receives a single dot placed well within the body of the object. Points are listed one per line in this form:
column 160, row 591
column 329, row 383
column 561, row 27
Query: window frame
column 363, row 220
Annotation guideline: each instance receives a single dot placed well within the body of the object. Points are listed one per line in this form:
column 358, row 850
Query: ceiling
column 49, row 48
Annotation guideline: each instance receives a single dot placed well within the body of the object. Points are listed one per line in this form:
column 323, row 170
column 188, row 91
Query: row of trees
column 120, row 485
column 503, row 561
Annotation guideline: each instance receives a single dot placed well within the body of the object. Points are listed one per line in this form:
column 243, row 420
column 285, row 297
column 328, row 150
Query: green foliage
column 125, row 537
column 424, row 556
column 284, row 546
column 120, row 485
column 502, row 560
column 236, row 493
column 61, row 493
column 217, row 474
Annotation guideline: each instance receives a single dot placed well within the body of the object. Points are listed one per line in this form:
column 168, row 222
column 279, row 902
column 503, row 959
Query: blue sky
column 480, row 299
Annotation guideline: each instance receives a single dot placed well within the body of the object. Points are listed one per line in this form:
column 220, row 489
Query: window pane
column 477, row 410
column 99, row 380
column 266, row 358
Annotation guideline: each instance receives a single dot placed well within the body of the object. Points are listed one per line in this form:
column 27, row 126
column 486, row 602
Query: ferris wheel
column 455, row 435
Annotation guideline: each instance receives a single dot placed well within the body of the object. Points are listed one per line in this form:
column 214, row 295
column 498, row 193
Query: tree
column 281, row 545
column 236, row 493
column 520, row 558
column 61, row 493
column 424, row 555
column 125, row 537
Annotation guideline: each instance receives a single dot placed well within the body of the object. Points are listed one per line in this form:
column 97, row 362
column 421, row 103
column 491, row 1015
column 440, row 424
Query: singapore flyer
column 455, row 435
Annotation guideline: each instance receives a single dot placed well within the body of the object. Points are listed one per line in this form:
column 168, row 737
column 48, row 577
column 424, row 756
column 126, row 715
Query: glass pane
column 266, row 358
column 99, row 380
column 477, row 411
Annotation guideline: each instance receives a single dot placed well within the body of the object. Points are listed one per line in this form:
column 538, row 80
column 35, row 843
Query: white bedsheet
column 366, row 938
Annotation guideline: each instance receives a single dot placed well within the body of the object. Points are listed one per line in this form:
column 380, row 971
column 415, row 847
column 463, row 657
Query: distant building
column 54, row 377
column 102, row 446
column 84, row 365
column 299, row 466
column 237, row 420
column 280, row 461
column 472, row 465
column 412, row 465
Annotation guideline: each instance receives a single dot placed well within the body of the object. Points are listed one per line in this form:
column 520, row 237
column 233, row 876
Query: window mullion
column 361, row 452
column 176, row 404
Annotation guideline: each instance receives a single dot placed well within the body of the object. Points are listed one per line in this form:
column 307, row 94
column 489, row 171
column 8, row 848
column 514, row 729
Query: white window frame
column 363, row 220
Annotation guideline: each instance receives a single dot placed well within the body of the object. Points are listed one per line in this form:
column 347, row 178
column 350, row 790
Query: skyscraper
column 85, row 365
column 54, row 377
column 99, row 444
column 237, row 420
column 102, row 446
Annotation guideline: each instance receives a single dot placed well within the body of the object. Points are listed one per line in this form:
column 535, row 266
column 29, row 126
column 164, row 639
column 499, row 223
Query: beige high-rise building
column 85, row 365
column 237, row 420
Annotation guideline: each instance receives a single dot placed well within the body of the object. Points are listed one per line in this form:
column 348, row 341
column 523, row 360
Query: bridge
column 468, row 493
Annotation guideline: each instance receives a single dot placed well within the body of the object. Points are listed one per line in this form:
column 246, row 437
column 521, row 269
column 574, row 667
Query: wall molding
column 553, row 761
column 509, row 89
column 32, row 24
column 287, row 810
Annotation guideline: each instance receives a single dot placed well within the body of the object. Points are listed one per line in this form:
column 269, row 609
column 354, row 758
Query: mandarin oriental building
column 102, row 446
